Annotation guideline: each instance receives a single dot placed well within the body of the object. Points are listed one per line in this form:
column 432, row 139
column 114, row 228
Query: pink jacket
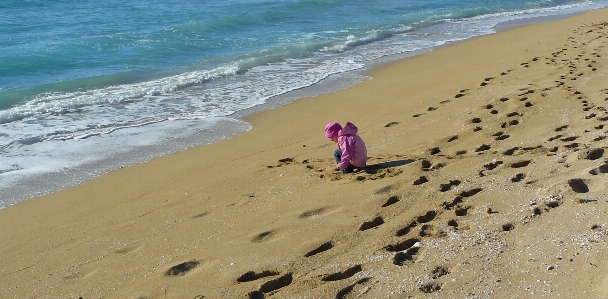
column 352, row 147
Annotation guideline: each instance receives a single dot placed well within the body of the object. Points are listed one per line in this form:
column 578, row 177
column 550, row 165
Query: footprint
column 404, row 231
column 513, row 122
column 428, row 166
column 470, row 192
column 578, row 185
column 263, row 237
column 129, row 248
column 407, row 244
column 510, row 151
column 555, row 137
column 428, row 230
column 552, row 205
column 601, row 169
column 324, row 247
column 401, row 258
column 492, row 165
column 282, row 162
column 453, row 138
column 354, row 290
column 393, row 123
column 371, row 224
column 508, row 227
column 276, row 284
column 518, row 177
column 434, row 150
column 568, row 139
column 520, row 164
column 182, row 269
column 453, row 223
column 313, row 213
column 593, row 154
column 448, row 205
column 476, row 120
column 462, row 211
column 200, row 215
column 571, row 145
column 502, row 137
column 430, row 215
column 431, row 287
column 251, row 275
column 344, row 274
column 446, row 187
column 481, row 148
column 439, row 271
column 421, row 180
column 391, row 201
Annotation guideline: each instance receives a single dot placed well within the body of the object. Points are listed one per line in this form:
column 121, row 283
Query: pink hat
column 332, row 129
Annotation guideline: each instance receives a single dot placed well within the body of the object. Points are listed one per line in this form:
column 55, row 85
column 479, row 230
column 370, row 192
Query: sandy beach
column 486, row 178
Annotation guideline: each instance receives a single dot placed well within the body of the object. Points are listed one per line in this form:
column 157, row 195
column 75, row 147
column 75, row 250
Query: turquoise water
column 88, row 86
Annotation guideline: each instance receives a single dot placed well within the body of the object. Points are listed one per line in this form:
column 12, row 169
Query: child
column 351, row 150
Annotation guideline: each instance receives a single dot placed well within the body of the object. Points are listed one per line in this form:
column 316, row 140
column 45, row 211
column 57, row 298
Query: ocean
column 89, row 86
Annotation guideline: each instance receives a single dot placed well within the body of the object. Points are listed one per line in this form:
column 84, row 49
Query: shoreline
column 459, row 149
column 49, row 182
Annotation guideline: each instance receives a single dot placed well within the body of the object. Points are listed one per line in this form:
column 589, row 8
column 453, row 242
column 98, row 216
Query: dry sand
column 486, row 180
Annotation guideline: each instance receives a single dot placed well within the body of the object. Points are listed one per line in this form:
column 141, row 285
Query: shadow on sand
column 374, row 168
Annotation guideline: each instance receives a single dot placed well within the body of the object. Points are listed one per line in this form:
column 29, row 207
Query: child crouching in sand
column 351, row 150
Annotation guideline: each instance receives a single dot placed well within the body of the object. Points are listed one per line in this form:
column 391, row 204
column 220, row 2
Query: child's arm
column 346, row 144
